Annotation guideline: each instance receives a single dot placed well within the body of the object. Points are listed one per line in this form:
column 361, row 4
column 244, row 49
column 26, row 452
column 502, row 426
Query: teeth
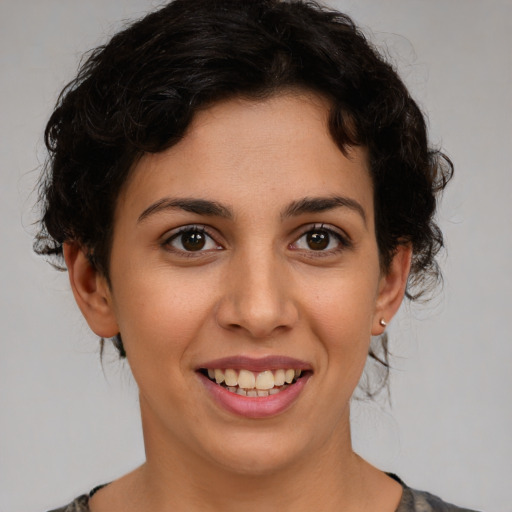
column 279, row 378
column 265, row 380
column 230, row 377
column 246, row 379
column 219, row 376
column 247, row 383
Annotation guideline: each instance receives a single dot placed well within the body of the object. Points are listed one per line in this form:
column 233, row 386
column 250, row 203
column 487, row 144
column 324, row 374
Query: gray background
column 67, row 424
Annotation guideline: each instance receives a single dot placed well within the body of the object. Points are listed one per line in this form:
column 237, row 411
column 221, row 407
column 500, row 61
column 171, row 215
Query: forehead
column 275, row 149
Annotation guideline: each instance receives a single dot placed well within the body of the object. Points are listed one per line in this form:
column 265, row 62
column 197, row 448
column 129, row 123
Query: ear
column 392, row 288
column 91, row 291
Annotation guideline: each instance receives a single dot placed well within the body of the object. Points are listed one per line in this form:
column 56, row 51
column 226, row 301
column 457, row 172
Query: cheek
column 341, row 317
column 160, row 312
column 343, row 304
column 160, row 320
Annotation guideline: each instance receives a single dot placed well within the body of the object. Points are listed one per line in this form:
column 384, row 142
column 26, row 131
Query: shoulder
column 412, row 501
column 81, row 504
column 420, row 501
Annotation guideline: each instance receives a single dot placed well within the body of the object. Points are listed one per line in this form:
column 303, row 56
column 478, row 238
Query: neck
column 331, row 475
column 175, row 477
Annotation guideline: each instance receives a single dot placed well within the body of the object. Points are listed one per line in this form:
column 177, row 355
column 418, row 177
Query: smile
column 253, row 384
column 255, row 388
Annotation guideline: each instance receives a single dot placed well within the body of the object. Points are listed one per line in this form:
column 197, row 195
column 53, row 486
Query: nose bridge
column 259, row 297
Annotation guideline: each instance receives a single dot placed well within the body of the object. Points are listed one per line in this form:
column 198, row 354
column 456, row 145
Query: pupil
column 193, row 240
column 318, row 240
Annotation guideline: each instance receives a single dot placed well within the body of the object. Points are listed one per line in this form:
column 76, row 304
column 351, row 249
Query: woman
column 242, row 193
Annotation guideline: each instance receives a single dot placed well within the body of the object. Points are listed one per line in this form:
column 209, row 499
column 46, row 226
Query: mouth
column 255, row 387
column 252, row 384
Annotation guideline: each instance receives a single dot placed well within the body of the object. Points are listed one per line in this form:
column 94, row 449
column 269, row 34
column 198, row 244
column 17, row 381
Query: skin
column 256, row 289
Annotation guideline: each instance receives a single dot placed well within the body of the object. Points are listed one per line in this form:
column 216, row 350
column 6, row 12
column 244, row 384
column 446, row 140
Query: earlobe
column 91, row 292
column 392, row 289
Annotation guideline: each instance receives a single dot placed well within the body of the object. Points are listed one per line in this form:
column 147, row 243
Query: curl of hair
column 140, row 91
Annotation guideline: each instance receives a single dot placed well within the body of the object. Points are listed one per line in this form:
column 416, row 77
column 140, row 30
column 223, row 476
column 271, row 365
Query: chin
column 258, row 454
column 258, row 462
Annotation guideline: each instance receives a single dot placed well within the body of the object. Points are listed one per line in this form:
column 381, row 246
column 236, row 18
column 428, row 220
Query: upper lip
column 259, row 364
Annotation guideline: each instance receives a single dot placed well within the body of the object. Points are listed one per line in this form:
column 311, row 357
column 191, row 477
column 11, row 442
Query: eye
column 191, row 239
column 320, row 239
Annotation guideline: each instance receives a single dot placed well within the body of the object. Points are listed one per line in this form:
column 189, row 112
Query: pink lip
column 256, row 364
column 254, row 407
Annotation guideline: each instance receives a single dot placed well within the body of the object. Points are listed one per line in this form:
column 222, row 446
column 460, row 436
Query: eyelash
column 343, row 241
column 191, row 229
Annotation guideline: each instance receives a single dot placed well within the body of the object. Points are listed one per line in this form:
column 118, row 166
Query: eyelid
column 173, row 234
column 343, row 238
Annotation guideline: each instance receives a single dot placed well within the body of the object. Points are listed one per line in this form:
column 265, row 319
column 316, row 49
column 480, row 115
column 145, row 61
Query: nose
column 258, row 296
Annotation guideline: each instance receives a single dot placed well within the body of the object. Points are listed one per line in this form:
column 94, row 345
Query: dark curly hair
column 139, row 93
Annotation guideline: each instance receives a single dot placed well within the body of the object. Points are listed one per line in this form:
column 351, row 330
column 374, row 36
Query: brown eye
column 318, row 240
column 322, row 240
column 191, row 240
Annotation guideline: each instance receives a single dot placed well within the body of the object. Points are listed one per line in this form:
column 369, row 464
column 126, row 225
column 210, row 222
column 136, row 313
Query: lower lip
column 255, row 407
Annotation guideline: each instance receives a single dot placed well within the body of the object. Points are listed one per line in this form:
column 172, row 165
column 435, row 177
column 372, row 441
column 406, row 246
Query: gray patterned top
column 412, row 501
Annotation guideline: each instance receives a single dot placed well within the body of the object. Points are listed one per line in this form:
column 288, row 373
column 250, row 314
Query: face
column 245, row 283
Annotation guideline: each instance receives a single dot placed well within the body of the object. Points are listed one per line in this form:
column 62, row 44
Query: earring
column 383, row 322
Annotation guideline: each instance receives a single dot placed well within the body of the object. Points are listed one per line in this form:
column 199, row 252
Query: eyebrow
column 215, row 209
column 199, row 206
column 322, row 204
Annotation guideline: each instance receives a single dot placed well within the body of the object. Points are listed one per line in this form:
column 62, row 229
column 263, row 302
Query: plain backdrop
column 68, row 423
